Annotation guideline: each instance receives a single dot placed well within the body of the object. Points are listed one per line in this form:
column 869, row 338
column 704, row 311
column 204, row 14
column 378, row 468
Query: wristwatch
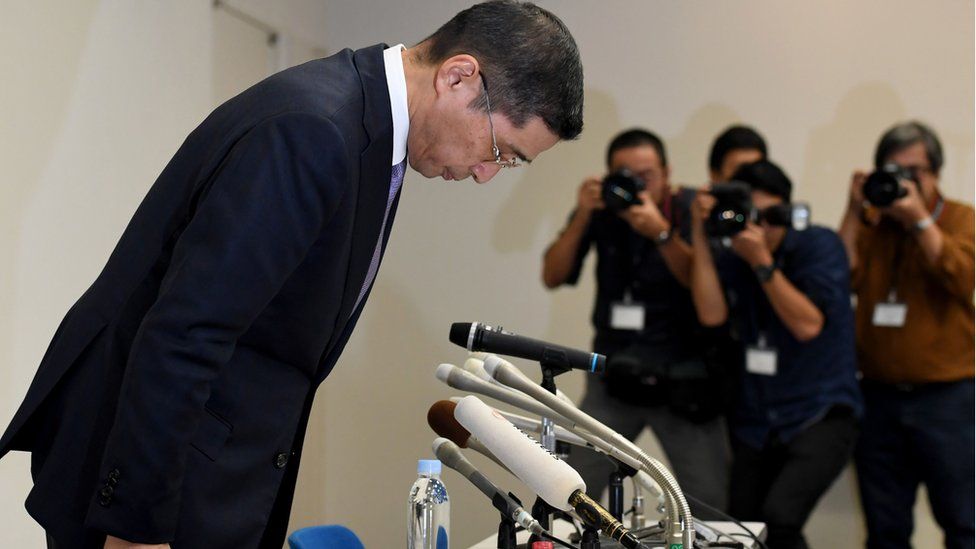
column 764, row 272
column 923, row 224
column 663, row 237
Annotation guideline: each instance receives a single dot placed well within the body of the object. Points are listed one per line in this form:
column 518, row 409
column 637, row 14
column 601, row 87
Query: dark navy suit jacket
column 172, row 403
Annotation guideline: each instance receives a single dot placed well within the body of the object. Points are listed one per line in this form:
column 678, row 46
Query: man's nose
column 484, row 172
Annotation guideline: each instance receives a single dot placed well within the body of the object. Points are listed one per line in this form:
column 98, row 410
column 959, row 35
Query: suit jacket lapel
column 374, row 172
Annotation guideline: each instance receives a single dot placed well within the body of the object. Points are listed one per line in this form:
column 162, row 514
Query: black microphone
column 475, row 336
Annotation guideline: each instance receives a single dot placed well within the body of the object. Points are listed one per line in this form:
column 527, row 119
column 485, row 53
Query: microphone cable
column 723, row 514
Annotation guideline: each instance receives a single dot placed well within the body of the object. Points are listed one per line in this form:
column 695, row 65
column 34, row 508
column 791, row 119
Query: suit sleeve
column 267, row 205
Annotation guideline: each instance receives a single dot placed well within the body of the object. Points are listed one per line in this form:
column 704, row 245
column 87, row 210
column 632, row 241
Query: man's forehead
column 915, row 151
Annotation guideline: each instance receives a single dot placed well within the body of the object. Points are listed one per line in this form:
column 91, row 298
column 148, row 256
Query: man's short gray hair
column 904, row 135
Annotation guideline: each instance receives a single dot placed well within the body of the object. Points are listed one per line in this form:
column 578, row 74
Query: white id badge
column 890, row 314
column 627, row 316
column 761, row 360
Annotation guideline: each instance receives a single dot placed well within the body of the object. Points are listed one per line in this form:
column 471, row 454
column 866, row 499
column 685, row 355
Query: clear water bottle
column 428, row 509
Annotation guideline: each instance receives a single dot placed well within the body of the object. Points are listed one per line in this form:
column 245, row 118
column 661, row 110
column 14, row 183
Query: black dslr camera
column 620, row 190
column 734, row 209
column 882, row 187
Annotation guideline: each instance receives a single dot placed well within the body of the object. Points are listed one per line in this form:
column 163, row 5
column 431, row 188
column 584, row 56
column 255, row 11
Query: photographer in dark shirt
column 660, row 368
column 785, row 295
column 736, row 146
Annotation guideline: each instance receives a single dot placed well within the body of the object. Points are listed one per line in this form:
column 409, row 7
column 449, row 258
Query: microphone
column 680, row 528
column 476, row 366
column 457, row 378
column 535, row 426
column 475, row 336
column 528, row 424
column 549, row 477
column 449, row 454
column 440, row 417
column 466, row 381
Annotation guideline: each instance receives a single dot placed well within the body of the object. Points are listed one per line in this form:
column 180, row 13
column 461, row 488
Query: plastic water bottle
column 428, row 509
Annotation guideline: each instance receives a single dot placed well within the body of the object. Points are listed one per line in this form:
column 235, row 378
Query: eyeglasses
column 512, row 162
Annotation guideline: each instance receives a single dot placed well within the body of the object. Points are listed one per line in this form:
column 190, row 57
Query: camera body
column 734, row 209
column 882, row 187
column 620, row 190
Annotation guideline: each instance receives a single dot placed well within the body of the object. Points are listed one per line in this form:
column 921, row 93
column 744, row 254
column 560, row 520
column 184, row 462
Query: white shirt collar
column 397, row 83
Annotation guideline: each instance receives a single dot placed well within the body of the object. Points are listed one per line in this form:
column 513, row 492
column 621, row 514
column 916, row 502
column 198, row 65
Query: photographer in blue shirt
column 785, row 295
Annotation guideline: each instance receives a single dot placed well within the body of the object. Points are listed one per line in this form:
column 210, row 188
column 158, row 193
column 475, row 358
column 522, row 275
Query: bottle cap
column 429, row 467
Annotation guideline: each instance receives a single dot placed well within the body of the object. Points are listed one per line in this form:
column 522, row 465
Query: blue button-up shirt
column 813, row 376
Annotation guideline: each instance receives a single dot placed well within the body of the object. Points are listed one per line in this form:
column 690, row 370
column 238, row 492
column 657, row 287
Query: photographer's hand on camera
column 854, row 216
column 557, row 264
column 909, row 209
column 589, row 197
column 706, row 290
column 750, row 245
column 701, row 207
column 646, row 218
column 855, row 202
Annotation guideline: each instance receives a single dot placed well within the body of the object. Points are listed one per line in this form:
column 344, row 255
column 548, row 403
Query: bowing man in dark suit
column 171, row 405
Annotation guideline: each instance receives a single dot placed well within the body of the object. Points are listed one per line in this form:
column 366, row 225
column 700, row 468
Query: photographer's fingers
column 589, row 197
column 857, row 187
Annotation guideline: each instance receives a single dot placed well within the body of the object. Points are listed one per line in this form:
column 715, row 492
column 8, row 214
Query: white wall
column 98, row 94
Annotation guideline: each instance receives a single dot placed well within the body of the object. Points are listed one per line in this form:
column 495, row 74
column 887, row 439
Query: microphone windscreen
column 459, row 333
column 548, row 476
column 441, row 419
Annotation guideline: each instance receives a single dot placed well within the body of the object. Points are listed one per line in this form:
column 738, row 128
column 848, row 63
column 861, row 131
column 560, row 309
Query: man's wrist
column 764, row 272
column 921, row 225
column 760, row 261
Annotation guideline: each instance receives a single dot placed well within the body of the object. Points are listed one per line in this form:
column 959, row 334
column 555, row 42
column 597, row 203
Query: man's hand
column 750, row 245
column 855, row 200
column 909, row 209
column 590, row 196
column 645, row 219
column 112, row 542
column 701, row 206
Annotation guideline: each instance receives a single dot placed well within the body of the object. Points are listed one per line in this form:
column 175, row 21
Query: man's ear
column 714, row 176
column 458, row 73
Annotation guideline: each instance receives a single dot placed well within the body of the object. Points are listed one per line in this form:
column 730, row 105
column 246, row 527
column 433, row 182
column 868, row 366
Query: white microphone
column 548, row 476
column 476, row 365
column 680, row 527
column 534, row 425
column 457, row 378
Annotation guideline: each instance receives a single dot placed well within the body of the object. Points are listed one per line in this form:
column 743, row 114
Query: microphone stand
column 506, row 529
column 552, row 366
column 616, row 484
column 590, row 539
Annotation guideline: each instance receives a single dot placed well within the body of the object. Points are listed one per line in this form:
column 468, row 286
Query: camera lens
column 882, row 187
column 620, row 190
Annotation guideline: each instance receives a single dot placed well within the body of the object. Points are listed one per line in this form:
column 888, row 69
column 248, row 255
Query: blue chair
column 331, row 536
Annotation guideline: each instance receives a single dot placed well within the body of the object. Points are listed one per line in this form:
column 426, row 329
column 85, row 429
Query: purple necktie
column 396, row 179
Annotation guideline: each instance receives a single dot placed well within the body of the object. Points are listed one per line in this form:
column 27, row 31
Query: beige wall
column 97, row 95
